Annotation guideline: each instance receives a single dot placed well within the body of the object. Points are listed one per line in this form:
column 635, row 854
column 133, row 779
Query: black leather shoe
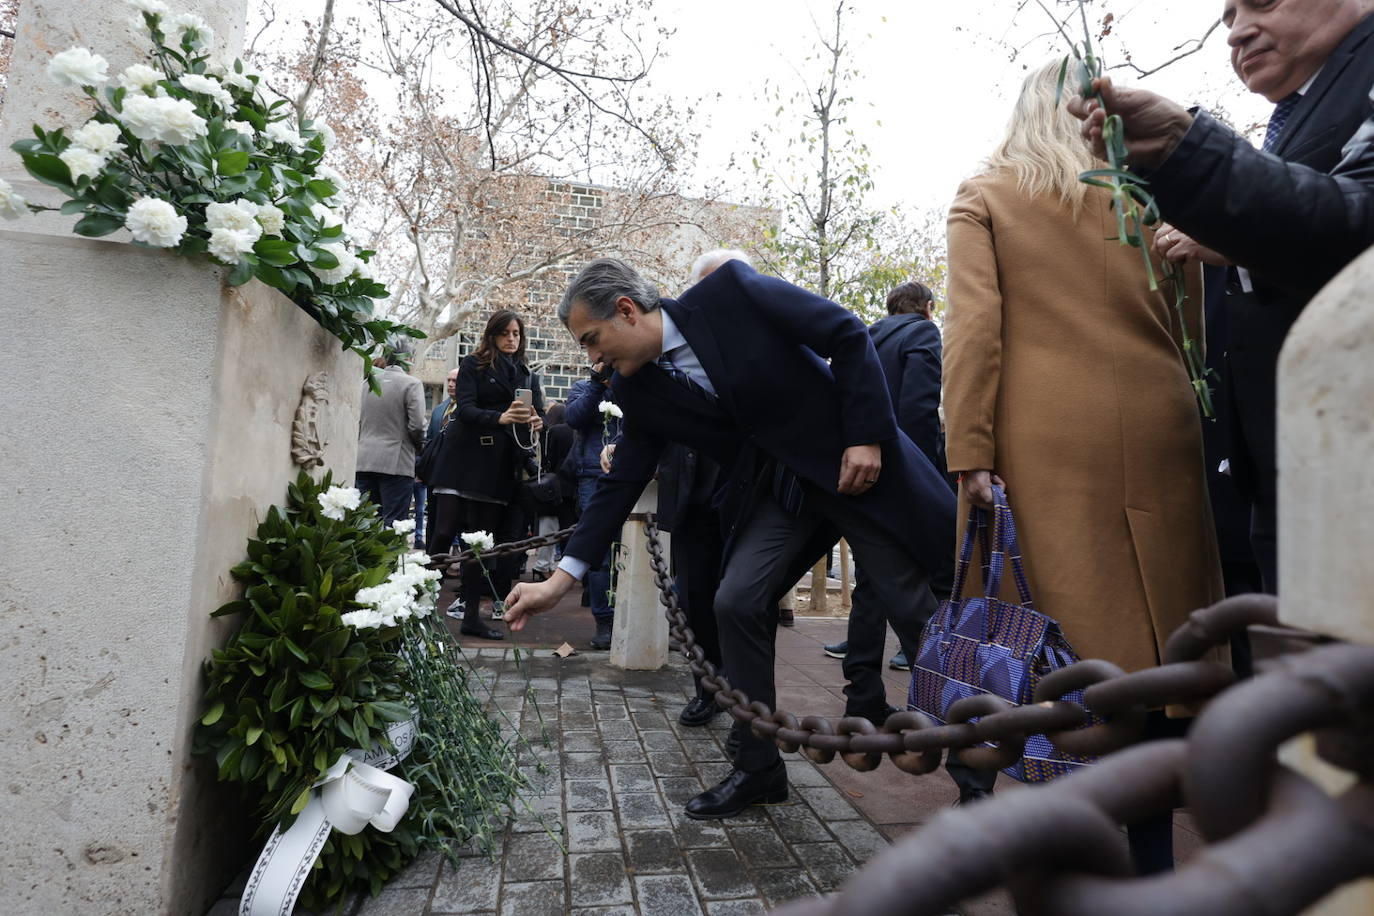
column 738, row 791
column 481, row 631
column 699, row 711
column 602, row 639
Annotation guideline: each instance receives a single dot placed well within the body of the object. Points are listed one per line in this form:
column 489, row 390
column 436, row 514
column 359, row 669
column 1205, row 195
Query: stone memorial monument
column 148, row 427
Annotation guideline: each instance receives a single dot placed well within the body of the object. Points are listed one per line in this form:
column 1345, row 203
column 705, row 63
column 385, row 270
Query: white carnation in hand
column 280, row 132
column 347, row 264
column 140, row 76
column 611, row 409
column 78, row 67
column 207, row 85
column 81, row 162
column 155, row 222
column 271, row 218
column 336, row 500
column 99, row 138
column 12, row 205
column 479, row 540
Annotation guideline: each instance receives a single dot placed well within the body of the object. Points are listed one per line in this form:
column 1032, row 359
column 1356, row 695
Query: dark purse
column 982, row 644
column 543, row 493
column 428, row 462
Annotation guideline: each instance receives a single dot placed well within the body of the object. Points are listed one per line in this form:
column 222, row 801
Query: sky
column 937, row 77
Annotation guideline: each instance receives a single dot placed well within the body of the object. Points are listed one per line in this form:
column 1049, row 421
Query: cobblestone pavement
column 619, row 768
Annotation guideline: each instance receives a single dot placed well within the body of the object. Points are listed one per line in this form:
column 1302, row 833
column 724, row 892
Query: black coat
column 764, row 343
column 480, row 455
column 909, row 351
column 1285, row 219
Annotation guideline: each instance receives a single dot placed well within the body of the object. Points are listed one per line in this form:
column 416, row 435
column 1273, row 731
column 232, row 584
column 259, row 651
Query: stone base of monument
column 640, row 638
column 148, row 428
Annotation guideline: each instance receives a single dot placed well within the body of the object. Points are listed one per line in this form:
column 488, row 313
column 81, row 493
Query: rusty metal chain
column 1276, row 842
column 452, row 563
column 913, row 742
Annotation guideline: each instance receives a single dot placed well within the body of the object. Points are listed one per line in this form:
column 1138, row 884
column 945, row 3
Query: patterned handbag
column 981, row 644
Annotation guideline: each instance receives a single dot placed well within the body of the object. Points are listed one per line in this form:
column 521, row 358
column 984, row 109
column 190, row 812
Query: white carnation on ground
column 156, row 7
column 336, row 500
column 242, row 127
column 140, row 76
column 12, row 205
column 81, row 162
column 99, row 138
column 403, row 525
column 237, row 215
column 281, row 132
column 271, row 218
column 333, row 275
column 611, row 409
column 155, row 222
column 207, row 85
column 229, row 245
column 78, row 67
column 190, row 22
column 479, row 540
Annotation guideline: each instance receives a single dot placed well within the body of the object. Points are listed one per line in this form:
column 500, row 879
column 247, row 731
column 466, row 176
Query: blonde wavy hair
column 1043, row 148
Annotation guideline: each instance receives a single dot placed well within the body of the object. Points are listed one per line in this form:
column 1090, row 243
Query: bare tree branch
column 317, row 63
column 1196, row 44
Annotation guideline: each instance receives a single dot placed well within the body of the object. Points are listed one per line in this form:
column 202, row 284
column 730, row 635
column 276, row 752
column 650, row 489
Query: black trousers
column 696, row 548
column 390, row 492
column 454, row 515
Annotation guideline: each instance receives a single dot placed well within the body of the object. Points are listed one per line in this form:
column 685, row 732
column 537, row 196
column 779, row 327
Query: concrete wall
column 125, row 503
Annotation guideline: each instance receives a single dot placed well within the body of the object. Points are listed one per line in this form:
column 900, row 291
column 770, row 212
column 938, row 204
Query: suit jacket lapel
column 703, row 343
column 1331, row 72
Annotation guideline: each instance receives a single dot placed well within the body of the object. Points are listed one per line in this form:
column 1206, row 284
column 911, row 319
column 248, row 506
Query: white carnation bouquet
column 188, row 153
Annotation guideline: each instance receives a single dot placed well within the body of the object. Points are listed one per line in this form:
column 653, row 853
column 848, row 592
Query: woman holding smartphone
column 499, row 407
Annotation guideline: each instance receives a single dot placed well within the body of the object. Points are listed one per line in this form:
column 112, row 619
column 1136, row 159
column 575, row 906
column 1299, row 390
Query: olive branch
column 1132, row 203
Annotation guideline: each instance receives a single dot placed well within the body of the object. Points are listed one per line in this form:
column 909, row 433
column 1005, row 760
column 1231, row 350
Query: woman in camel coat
column 1064, row 377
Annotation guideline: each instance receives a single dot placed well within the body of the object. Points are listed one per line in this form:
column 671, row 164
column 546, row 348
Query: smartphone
column 524, row 396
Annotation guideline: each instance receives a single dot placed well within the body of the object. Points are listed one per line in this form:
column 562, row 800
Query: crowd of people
column 1060, row 371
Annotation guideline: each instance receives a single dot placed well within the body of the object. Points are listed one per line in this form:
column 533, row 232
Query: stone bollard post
column 1326, row 489
column 640, row 639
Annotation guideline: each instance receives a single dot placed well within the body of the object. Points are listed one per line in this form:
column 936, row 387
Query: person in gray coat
column 390, row 431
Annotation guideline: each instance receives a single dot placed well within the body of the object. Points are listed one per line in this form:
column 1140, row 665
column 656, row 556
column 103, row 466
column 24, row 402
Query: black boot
column 473, row 625
column 602, row 639
column 738, row 791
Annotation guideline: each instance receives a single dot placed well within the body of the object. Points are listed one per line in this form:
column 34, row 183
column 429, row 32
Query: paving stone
column 653, row 851
column 584, row 721
column 616, row 730
column 647, row 721
column 593, row 831
column 544, row 683
column 598, row 879
column 589, row 795
column 828, row 863
column 536, row 898
column 472, row 887
column 532, row 857
column 801, row 772
column 396, row 901
column 672, row 763
column 719, row 874
column 667, row 895
column 545, row 812
column 575, row 704
column 583, row 766
column 692, row 834
column 605, row 911
column 679, row 790
column 734, row 907
column 642, row 809
column 660, row 740
column 703, row 749
column 610, row 712
column 580, row 742
column 828, row 803
column 632, row 777
column 797, row 824
column 419, row 873
column 778, row 885
column 860, row 838
column 761, row 847
column 642, row 702
column 712, row 773
column 624, row 752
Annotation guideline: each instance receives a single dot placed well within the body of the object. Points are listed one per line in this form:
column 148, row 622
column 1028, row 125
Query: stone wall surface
column 126, row 501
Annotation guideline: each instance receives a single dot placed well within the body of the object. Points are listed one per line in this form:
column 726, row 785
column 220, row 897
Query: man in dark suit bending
column 712, row 371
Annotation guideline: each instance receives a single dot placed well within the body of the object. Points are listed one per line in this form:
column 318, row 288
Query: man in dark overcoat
column 713, row 371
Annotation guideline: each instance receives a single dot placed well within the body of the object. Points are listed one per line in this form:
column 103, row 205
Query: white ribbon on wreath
column 356, row 791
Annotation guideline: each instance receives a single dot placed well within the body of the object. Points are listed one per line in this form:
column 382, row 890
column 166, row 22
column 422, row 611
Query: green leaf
column 315, row 680
column 295, row 649
column 252, row 735
column 48, row 169
column 94, row 225
column 74, row 206
column 277, row 252
column 241, row 274
column 232, row 162
column 301, row 801
column 212, row 715
column 391, row 711
column 321, row 188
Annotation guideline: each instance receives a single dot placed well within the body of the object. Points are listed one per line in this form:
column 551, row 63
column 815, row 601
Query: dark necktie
column 682, row 378
column 1278, row 119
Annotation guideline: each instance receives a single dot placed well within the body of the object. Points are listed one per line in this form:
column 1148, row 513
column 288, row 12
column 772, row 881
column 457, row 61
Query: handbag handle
column 977, row 527
column 1004, row 546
